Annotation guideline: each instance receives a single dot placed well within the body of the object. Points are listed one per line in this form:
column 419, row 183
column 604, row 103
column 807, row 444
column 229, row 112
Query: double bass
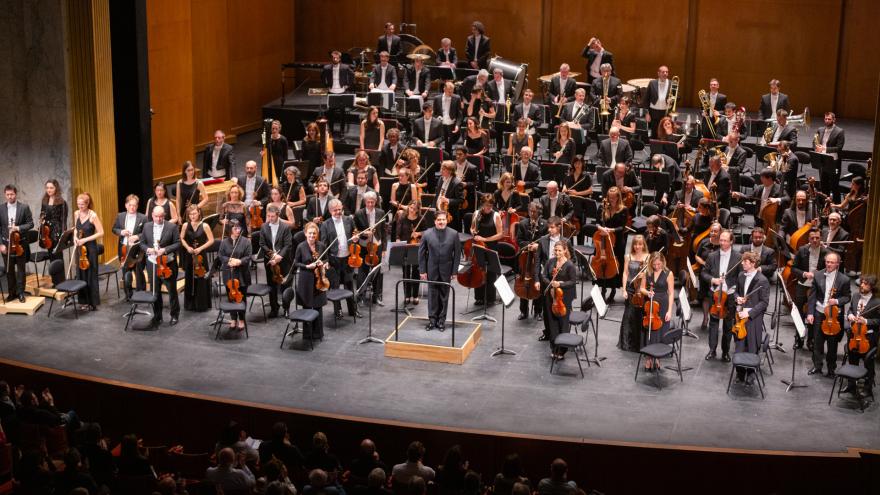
column 604, row 263
column 474, row 276
column 801, row 236
column 524, row 285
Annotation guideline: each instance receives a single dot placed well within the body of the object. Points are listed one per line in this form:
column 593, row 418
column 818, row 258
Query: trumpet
column 672, row 98
column 603, row 105
column 816, row 142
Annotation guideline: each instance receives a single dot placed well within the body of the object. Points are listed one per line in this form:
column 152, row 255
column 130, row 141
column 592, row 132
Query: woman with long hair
column 613, row 220
column 558, row 273
column 53, row 212
column 631, row 323
column 372, row 135
column 160, row 198
column 190, row 191
column 195, row 237
column 88, row 230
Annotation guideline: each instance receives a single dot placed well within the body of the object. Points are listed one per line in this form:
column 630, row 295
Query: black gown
column 152, row 203
column 92, row 293
column 476, row 145
column 567, row 278
column 278, row 148
column 486, row 228
column 311, row 152
column 661, row 289
column 617, row 222
column 197, row 289
column 189, row 195
column 371, row 137
column 306, row 294
column 56, row 216
column 630, row 338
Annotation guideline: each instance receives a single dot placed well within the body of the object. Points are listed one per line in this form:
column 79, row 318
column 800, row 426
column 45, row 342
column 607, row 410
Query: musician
column 308, row 296
column 578, row 182
column 498, row 89
column 389, row 42
column 864, row 302
column 705, row 216
column 556, row 204
column 773, row 101
column 735, row 155
column 353, row 200
column 317, row 208
column 367, row 218
column 562, row 86
column 856, row 195
column 596, row 56
column 715, row 174
column 630, row 338
column 390, row 157
column 337, row 232
column 448, row 105
column 606, row 83
column 384, row 75
column 54, row 213
column 312, row 147
column 479, row 107
column 235, row 258
column 160, row 198
column 765, row 193
column 336, row 76
column 218, row 159
column 782, row 130
column 332, row 173
column 658, row 286
column 486, row 227
column 834, row 236
column 720, row 274
column 468, row 83
column 752, row 297
column 446, row 55
column 410, row 225
column 361, row 163
column 666, row 164
column 278, row 147
column 532, row 112
column 830, row 288
column 620, row 176
column 255, row 186
column 717, row 99
column 372, row 130
column 766, row 256
column 546, row 249
column 195, row 237
column 624, row 119
column 88, row 230
column 525, row 169
column 478, row 46
column 563, row 148
column 577, row 114
column 558, row 272
column 190, row 191
column 128, row 227
column 16, row 217
column 520, row 138
column 830, row 140
column 233, row 209
column 466, row 173
column 162, row 238
column 655, row 98
column 428, row 131
column 476, row 140
column 507, row 199
column 614, row 150
column 710, row 244
column 656, row 237
column 727, row 125
column 417, row 79
column 411, row 159
column 291, row 188
column 439, row 254
column 797, row 215
column 807, row 261
column 689, row 196
column 404, row 191
column 285, row 212
column 529, row 231
column 276, row 244
column 613, row 220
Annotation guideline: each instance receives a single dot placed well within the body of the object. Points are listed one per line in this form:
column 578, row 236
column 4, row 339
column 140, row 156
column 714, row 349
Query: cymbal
column 627, row 88
column 640, row 83
column 548, row 77
column 418, row 56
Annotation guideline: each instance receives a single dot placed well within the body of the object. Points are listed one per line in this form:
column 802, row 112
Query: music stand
column 821, row 161
column 429, row 156
column 357, row 294
column 783, row 254
column 442, row 73
column 341, row 101
column 791, row 383
column 380, row 98
column 400, row 254
column 665, row 147
column 554, row 171
column 490, row 262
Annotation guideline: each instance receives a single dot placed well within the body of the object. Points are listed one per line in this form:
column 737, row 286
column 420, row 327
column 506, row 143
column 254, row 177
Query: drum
column 511, row 71
column 640, row 85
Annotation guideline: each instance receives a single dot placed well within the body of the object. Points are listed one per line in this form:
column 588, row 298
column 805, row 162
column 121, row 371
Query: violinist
column 449, row 191
column 578, row 185
column 830, row 288
column 160, row 198
column 657, row 238
column 630, row 338
column 466, row 172
column 718, row 276
column 486, row 227
column 766, row 256
column 613, row 219
column 528, row 232
column 255, row 186
column 666, row 164
column 507, row 199
column 15, row 216
column 54, row 213
column 362, row 164
column 558, row 273
column 233, row 209
column 306, row 261
column 353, row 200
column 658, row 284
column 161, row 238
column 833, row 236
column 190, row 191
column 235, row 258
column 332, row 173
column 285, row 212
column 752, row 298
column 195, row 237
column 807, row 261
column 411, row 158
column 556, row 204
column 797, row 215
column 715, row 174
column 766, row 193
column 404, row 191
column 89, row 229
column 128, row 227
column 546, row 249
column 337, row 232
column 439, row 255
column 276, row 244
column 366, row 218
column 317, row 207
column 519, row 138
column 390, row 159
column 525, row 170
column 865, row 303
column 409, row 227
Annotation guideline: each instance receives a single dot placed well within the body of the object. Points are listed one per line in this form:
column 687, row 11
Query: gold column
column 90, row 113
column 871, row 250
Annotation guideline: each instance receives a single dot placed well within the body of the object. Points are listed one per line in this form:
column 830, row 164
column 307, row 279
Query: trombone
column 672, row 98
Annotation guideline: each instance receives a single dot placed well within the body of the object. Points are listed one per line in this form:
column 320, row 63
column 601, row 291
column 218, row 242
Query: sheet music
column 598, row 301
column 798, row 322
column 691, row 272
column 685, row 304
column 504, row 290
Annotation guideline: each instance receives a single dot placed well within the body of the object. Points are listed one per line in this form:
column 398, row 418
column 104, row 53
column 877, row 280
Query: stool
column 138, row 298
column 229, row 307
column 339, row 295
column 569, row 341
column 305, row 317
column 749, row 361
column 261, row 291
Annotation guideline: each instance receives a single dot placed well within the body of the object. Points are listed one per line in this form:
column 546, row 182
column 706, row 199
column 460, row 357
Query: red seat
column 56, row 441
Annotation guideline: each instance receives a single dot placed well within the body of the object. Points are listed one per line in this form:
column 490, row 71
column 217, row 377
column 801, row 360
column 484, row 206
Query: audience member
column 319, row 483
column 34, row 475
column 557, row 483
column 275, row 472
column 96, row 455
column 130, row 461
column 321, row 458
column 74, row 476
column 473, row 484
column 511, row 474
column 234, row 436
column 416, row 486
column 521, row 489
column 280, row 447
column 7, row 405
column 413, row 466
column 376, row 483
column 232, row 472
column 365, row 463
column 450, row 474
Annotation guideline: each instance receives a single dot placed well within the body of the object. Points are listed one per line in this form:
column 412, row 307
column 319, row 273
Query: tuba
column 672, row 98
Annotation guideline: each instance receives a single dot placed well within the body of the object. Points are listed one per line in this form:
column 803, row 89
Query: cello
column 524, row 285
column 604, row 263
column 474, row 276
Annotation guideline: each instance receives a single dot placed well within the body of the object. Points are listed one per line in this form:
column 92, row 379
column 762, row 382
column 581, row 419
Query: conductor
column 439, row 254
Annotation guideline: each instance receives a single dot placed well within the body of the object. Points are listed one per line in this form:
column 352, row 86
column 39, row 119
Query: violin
column 83, row 252
column 739, row 328
column 719, row 304
column 354, row 254
column 256, row 214
column 45, row 234
column 321, row 282
column 638, row 299
column 163, row 271
column 16, row 249
column 652, row 320
column 372, row 257
column 858, row 341
column 233, row 285
column 198, row 263
column 277, row 277
column 558, row 307
column 831, row 325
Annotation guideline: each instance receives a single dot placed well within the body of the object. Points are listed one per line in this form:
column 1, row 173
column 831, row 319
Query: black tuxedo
column 390, row 76
column 696, row 195
column 434, row 130
column 757, row 296
column 624, row 153
column 346, row 76
column 766, row 259
column 349, row 199
column 409, row 80
column 873, row 319
column 225, row 160
column 536, row 113
column 720, row 101
column 840, row 235
column 555, row 89
column 781, row 103
column 584, row 118
column 138, row 271
column 442, row 57
column 382, row 46
column 282, row 245
column 829, row 173
column 789, row 133
column 362, row 223
column 16, row 270
column 439, row 256
column 776, row 191
column 842, row 293
column 711, row 270
column 170, row 241
column 336, row 179
column 483, row 52
column 652, row 96
column 389, row 156
column 261, row 188
column 455, row 112
column 739, row 157
column 615, row 91
column 836, row 138
column 341, row 273
column 564, row 206
column 492, row 90
column 532, row 177
column 789, row 220
column 670, row 167
column 800, row 266
column 722, row 179
column 454, row 193
column 590, row 54
column 629, row 180
column 313, row 205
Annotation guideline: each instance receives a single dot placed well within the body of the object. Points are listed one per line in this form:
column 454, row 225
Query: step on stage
column 412, row 341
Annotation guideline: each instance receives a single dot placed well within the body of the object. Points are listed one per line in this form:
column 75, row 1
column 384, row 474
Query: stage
column 513, row 394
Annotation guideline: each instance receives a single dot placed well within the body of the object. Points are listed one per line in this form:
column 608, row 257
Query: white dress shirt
column 594, row 67
column 662, row 89
column 341, row 238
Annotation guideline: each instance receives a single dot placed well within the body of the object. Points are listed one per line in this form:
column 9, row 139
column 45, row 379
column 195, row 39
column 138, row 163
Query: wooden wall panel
column 210, row 51
column 860, row 60
column 339, row 25
column 169, row 42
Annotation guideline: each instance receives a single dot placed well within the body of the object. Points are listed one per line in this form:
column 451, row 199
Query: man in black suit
column 608, row 83
column 830, row 288
column 337, row 233
column 829, row 140
column 499, row 89
column 333, row 173
column 384, row 74
column 782, row 130
column 577, row 114
column 834, row 234
column 353, row 199
column 128, row 227
column 162, row 238
column 767, row 192
column 417, row 79
column 448, row 107
column 655, row 100
column 689, row 195
column 715, row 174
column 546, row 248
column 255, row 186
column 390, row 155
column 446, row 56
column 766, row 256
column 439, row 255
column 796, row 215
column 528, row 231
column 532, row 112
column 752, row 295
column 773, row 101
column 620, row 176
column 562, row 87
column 556, row 204
column 389, row 42
column 807, row 261
column 720, row 274
column 218, row 160
column 337, row 77
column 427, row 130
column 276, row 244
column 478, row 47
column 717, row 100
column 736, row 155
column 366, row 218
column 788, row 167
column 15, row 216
column 596, row 56
column 525, row 169
column 449, row 193
column 614, row 150
column 318, row 206
column 668, row 165
column 864, row 303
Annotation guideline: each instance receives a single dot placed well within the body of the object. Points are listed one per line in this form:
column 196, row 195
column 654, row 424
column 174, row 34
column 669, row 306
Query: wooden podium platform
column 28, row 307
column 428, row 346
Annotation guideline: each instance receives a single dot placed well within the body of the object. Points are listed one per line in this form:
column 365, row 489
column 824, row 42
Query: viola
column 831, row 325
column 558, row 306
column 372, row 257
column 354, row 254
column 652, row 320
column 46, row 236
column 275, row 270
column 719, row 304
column 858, row 341
column 15, row 247
column 739, row 328
column 163, row 271
column 638, row 299
column 232, row 290
column 256, row 214
column 199, row 265
column 321, row 281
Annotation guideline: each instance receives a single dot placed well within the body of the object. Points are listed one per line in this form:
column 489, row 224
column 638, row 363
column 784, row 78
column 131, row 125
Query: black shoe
column 725, row 357
column 539, row 317
column 154, row 323
column 711, row 355
column 378, row 301
column 810, row 346
column 22, row 298
column 338, row 314
column 798, row 344
column 430, row 326
column 814, row 370
column 173, row 321
column 357, row 314
column 542, row 338
column 441, row 327
column 522, row 316
column 273, row 314
column 479, row 303
column 831, row 374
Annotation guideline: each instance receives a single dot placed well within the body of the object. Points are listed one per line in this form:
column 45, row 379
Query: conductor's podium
column 412, row 341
